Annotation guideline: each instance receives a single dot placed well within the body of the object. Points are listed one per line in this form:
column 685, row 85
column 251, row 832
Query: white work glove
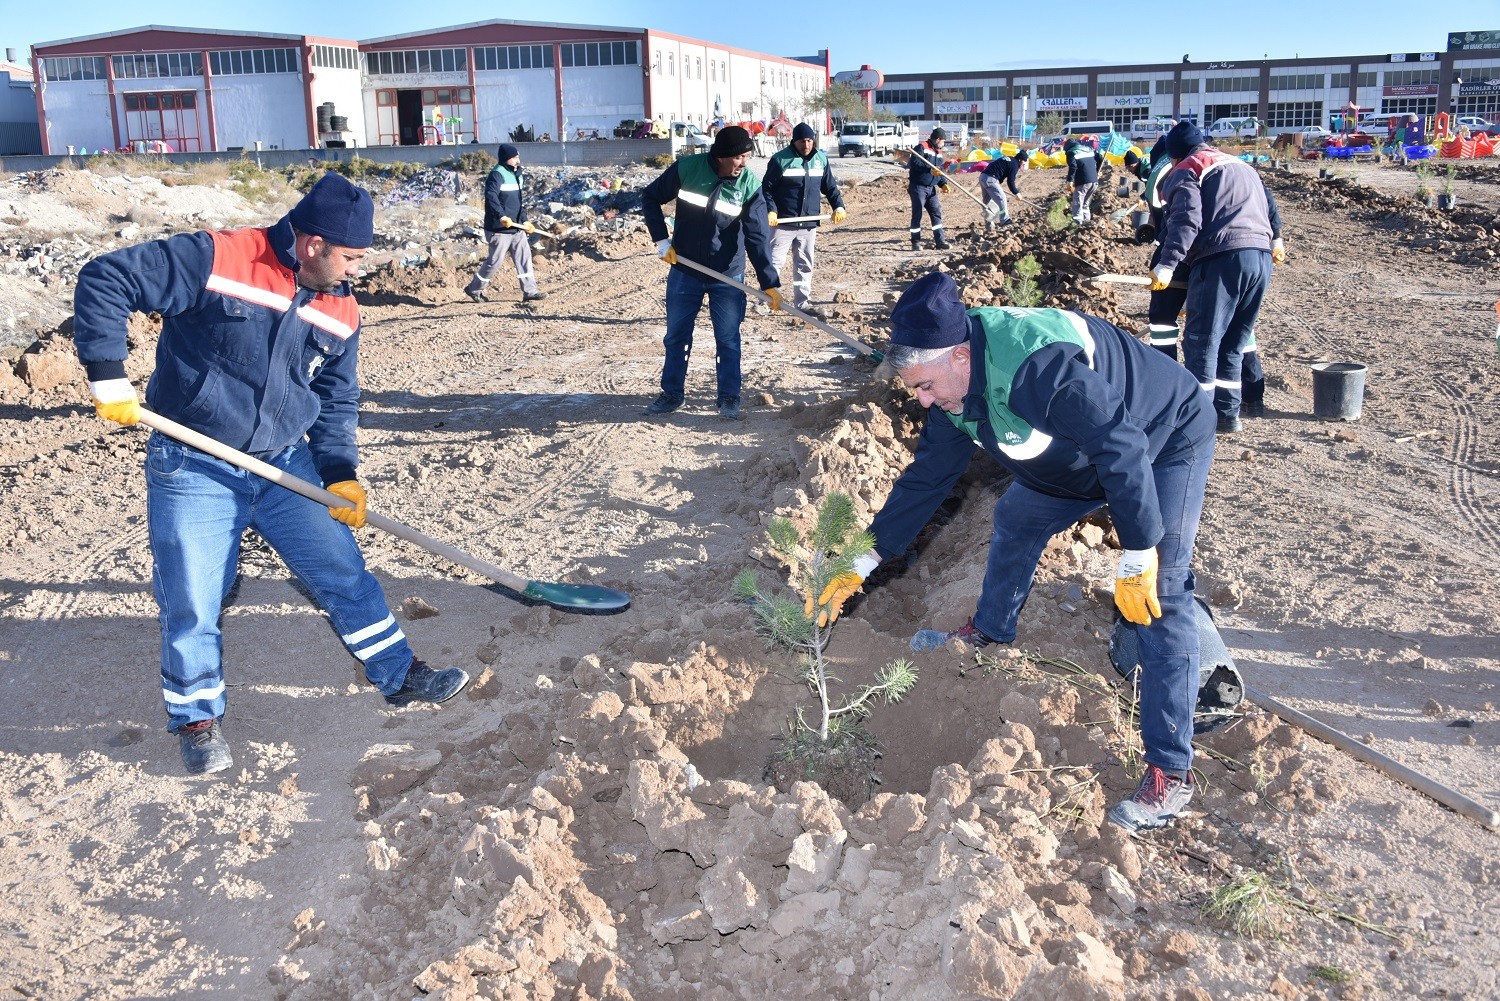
column 665, row 252
column 841, row 589
column 1278, row 250
column 1160, row 278
column 116, row 400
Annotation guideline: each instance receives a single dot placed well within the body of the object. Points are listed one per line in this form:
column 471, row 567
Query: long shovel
column 584, row 596
column 803, row 218
column 1057, row 260
column 834, row 332
column 990, row 211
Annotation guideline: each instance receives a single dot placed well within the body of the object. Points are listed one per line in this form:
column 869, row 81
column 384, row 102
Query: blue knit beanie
column 506, row 153
column 802, row 130
column 338, row 211
column 1183, row 139
column 929, row 314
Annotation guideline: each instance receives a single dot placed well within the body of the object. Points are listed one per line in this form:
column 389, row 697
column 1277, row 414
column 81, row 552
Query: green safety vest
column 698, row 181
column 1011, row 335
column 508, row 181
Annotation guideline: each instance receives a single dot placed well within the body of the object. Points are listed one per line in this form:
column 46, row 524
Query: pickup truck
column 688, row 138
column 874, row 138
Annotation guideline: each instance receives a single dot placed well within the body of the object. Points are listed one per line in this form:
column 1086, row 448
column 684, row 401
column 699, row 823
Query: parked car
column 1477, row 125
column 1234, row 128
column 1147, row 130
column 1311, row 133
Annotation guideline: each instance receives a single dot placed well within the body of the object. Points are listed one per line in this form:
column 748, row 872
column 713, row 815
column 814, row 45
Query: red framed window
column 163, row 118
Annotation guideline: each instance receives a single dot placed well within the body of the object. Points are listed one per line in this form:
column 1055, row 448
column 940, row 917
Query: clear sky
column 895, row 37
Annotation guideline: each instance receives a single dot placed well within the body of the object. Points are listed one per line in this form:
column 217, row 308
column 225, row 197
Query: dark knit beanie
column 1183, row 139
column 732, row 140
column 802, row 130
column 937, row 133
column 506, row 153
column 338, row 211
column 929, row 314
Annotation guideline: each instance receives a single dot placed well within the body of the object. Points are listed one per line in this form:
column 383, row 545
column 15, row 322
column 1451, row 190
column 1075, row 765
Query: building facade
column 188, row 90
column 18, row 130
column 1285, row 94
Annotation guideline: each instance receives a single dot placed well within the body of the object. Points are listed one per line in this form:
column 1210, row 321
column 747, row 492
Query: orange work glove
column 351, row 491
column 115, row 400
column 1135, row 586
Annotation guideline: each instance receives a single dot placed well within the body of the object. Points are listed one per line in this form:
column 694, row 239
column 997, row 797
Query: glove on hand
column 665, row 251
column 115, row 400
column 351, row 491
column 771, row 218
column 1278, row 251
column 1068, row 189
column 1135, row 586
column 774, row 295
column 842, row 588
column 839, row 215
column 1160, row 278
column 506, row 222
column 529, row 228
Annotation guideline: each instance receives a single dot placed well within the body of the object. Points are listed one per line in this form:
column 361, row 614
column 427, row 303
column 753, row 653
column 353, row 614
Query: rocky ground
column 590, row 819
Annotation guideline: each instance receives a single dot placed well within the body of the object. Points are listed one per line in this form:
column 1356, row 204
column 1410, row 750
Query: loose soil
column 589, row 820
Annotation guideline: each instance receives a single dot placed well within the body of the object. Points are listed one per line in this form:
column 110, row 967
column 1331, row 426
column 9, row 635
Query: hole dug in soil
column 623, row 845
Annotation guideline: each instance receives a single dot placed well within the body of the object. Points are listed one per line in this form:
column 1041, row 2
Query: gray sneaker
column 477, row 294
column 1161, row 796
column 204, row 749
column 729, row 408
column 663, row 404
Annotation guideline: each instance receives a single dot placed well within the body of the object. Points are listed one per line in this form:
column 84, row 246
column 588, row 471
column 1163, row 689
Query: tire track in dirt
column 1461, row 486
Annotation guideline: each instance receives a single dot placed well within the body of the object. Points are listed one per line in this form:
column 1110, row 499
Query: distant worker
column 1081, row 415
column 505, row 227
column 258, row 349
column 721, row 215
column 924, row 178
column 796, row 181
column 1084, row 160
column 1216, row 226
column 1002, row 172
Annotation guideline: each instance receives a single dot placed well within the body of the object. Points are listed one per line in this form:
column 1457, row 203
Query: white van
column 1235, row 128
column 1100, row 129
column 1148, row 130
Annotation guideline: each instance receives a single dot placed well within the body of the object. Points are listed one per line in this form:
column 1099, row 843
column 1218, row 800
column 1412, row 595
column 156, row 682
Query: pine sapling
column 804, row 627
column 1022, row 289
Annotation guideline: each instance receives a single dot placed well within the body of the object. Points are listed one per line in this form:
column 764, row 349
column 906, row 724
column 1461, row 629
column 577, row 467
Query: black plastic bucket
column 1338, row 390
column 1221, row 688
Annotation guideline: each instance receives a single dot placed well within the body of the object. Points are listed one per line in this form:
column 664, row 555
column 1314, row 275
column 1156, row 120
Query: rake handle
column 311, row 491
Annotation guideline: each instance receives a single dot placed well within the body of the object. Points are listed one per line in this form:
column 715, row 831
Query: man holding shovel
column 924, row 179
column 796, row 181
column 259, row 339
column 721, row 214
column 1082, row 415
column 505, row 227
column 1002, row 171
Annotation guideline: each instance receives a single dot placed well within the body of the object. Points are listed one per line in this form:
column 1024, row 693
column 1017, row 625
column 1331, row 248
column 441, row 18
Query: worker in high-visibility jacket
column 924, row 179
column 506, row 227
column 797, row 180
column 1082, row 415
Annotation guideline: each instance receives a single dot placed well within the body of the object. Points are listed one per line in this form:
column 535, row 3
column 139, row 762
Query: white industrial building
column 18, row 131
column 189, row 89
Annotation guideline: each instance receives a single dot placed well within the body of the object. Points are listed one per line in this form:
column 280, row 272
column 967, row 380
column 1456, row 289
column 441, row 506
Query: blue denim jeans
column 197, row 509
column 726, row 311
column 1025, row 520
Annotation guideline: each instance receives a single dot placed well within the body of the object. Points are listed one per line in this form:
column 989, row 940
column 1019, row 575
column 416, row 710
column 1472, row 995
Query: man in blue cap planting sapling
column 1083, row 415
column 260, row 333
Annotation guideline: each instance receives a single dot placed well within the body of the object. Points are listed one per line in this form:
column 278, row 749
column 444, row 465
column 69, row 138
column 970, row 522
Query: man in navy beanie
column 1082, row 415
column 505, row 226
column 1217, row 228
column 796, row 180
column 260, row 333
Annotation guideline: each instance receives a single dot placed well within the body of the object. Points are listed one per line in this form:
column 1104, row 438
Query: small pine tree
column 1021, row 289
column 805, row 627
column 1059, row 216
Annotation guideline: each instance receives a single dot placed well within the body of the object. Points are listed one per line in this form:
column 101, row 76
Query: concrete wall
column 342, row 87
column 265, row 106
column 598, row 97
column 603, row 153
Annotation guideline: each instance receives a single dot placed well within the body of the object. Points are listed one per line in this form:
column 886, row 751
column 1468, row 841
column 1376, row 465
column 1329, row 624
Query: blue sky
column 894, row 37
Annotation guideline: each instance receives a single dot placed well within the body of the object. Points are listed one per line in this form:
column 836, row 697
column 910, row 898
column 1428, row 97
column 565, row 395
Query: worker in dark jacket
column 924, row 179
column 1084, row 160
column 505, row 227
column 1082, row 415
column 796, row 181
column 721, row 214
column 259, row 339
column 1216, row 226
column 1001, row 172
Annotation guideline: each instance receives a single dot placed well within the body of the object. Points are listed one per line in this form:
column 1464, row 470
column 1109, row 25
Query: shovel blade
column 585, row 596
column 1069, row 264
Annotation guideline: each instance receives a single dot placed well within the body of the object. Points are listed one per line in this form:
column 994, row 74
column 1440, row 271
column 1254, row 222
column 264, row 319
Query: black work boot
column 423, row 684
column 664, row 403
column 916, row 243
column 204, row 749
column 941, row 242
